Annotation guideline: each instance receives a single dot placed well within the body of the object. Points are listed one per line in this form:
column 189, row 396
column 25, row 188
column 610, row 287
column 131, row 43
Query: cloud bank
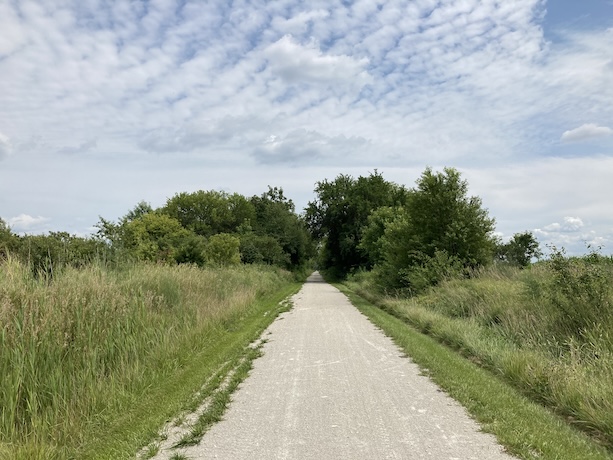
column 151, row 98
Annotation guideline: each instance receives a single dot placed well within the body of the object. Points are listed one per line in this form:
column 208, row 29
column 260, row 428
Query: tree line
column 410, row 238
column 201, row 228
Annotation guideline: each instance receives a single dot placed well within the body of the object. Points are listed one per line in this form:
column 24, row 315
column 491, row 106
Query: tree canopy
column 410, row 238
column 520, row 250
column 213, row 227
column 439, row 231
column 340, row 213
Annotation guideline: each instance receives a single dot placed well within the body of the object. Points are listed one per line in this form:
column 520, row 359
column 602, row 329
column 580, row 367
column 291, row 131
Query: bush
column 223, row 249
column 581, row 292
column 432, row 270
column 258, row 249
column 48, row 254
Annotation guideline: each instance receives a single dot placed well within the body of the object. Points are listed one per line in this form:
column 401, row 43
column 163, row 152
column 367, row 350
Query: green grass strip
column 526, row 429
column 164, row 400
column 220, row 402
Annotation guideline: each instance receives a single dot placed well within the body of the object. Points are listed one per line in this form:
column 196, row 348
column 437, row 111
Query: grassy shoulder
column 221, row 351
column 525, row 428
column 95, row 361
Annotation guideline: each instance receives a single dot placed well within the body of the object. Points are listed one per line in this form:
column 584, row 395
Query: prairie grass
column 548, row 331
column 83, row 346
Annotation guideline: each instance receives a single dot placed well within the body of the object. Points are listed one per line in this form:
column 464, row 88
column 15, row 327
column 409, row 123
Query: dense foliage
column 340, row 213
column 205, row 228
column 440, row 232
column 412, row 238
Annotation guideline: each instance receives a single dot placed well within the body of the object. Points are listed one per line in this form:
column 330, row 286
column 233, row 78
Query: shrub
column 223, row 249
column 580, row 290
column 262, row 249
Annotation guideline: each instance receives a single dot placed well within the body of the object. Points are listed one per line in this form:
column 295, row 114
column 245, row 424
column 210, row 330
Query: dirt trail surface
column 332, row 386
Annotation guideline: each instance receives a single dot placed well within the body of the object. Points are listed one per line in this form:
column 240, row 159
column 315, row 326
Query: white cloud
column 12, row 36
column 299, row 23
column 306, row 147
column 204, row 134
column 572, row 234
column 297, row 63
column 570, row 225
column 5, row 146
column 586, row 132
column 555, row 227
column 25, row 222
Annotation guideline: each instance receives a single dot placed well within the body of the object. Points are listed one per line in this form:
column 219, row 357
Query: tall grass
column 73, row 347
column 548, row 330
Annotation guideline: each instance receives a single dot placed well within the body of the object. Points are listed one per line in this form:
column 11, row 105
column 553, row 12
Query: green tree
column 439, row 223
column 8, row 241
column 520, row 250
column 141, row 208
column 154, row 237
column 266, row 226
column 340, row 213
column 371, row 243
column 241, row 210
column 114, row 233
column 209, row 213
column 262, row 249
column 191, row 249
column 276, row 218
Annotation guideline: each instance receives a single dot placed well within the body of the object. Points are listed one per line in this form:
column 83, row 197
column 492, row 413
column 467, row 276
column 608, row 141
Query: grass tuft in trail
column 177, row 456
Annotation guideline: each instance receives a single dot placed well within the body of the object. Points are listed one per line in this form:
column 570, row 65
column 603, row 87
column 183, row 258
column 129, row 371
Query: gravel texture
column 332, row 386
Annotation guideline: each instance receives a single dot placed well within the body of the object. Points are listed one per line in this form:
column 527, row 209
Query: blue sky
column 104, row 104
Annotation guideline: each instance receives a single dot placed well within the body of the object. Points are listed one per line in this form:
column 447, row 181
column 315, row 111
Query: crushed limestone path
column 331, row 386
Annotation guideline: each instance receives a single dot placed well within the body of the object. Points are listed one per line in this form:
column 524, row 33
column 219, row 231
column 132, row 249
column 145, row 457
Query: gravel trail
column 331, row 386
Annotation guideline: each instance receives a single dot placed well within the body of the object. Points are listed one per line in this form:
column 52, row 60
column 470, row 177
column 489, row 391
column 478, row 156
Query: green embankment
column 539, row 372
column 94, row 362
